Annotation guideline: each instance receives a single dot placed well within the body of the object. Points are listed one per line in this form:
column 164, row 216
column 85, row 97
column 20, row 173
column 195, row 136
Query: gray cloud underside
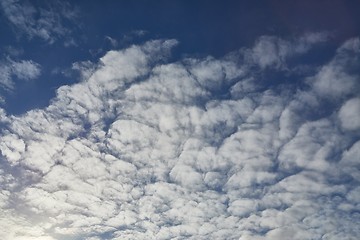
column 195, row 149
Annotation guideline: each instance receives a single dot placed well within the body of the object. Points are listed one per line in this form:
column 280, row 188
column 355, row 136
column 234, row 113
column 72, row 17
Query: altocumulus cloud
column 193, row 149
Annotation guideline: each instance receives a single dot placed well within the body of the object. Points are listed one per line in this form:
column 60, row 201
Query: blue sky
column 179, row 120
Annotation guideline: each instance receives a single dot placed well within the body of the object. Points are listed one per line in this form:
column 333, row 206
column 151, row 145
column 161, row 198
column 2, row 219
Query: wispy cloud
column 144, row 149
column 23, row 70
column 44, row 22
column 274, row 52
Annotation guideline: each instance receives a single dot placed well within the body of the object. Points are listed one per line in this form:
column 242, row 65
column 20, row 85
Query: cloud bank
column 193, row 149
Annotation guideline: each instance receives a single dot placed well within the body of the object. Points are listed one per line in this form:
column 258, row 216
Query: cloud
column 349, row 114
column 85, row 68
column 113, row 42
column 45, row 22
column 271, row 51
column 131, row 36
column 336, row 79
column 23, row 70
column 193, row 149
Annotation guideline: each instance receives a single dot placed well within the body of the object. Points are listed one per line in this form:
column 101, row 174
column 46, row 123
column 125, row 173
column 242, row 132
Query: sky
column 179, row 120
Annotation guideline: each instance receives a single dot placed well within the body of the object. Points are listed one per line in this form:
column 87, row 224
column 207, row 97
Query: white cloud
column 5, row 80
column 144, row 149
column 85, row 68
column 350, row 161
column 336, row 80
column 273, row 52
column 23, row 70
column 39, row 22
column 349, row 114
column 113, row 42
